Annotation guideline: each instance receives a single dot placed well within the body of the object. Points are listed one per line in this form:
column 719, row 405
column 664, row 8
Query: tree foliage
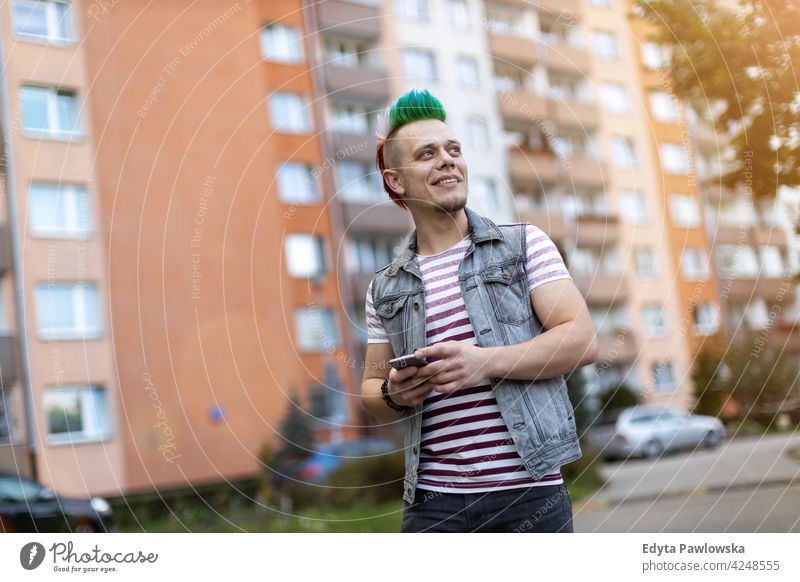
column 736, row 66
column 761, row 382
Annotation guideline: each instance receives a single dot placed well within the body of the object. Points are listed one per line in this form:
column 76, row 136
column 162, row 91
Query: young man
column 495, row 313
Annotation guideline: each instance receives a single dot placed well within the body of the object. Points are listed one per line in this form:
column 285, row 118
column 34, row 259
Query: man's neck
column 438, row 232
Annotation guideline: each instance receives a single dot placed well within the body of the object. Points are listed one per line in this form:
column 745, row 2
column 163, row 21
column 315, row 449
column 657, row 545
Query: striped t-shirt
column 465, row 444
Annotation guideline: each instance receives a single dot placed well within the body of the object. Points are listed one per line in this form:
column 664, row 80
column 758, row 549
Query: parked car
column 29, row 507
column 330, row 456
column 648, row 430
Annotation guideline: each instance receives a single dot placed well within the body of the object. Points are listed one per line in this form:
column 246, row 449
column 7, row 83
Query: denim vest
column 494, row 285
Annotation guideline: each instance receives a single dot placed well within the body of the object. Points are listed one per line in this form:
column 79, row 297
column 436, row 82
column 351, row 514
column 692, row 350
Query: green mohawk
column 415, row 105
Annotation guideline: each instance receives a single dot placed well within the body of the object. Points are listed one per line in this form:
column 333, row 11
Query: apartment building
column 171, row 264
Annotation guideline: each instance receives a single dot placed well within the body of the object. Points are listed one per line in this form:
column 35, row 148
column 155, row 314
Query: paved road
column 747, row 485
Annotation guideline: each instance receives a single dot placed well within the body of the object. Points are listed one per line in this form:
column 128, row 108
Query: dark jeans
column 533, row 510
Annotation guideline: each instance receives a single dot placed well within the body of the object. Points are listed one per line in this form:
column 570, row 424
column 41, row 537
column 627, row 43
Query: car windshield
column 19, row 490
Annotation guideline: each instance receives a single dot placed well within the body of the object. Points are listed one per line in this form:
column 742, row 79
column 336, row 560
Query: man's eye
column 423, row 154
column 456, row 149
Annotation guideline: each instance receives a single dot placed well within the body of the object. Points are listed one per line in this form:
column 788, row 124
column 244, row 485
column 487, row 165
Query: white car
column 648, row 430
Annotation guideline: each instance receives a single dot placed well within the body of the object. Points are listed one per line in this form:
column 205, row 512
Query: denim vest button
column 416, row 306
column 519, row 424
column 506, row 276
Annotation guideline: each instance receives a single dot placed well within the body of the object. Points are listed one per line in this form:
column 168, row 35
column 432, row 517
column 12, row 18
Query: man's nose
column 445, row 159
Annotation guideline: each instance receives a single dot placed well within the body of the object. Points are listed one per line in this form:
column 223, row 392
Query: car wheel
column 712, row 439
column 652, row 450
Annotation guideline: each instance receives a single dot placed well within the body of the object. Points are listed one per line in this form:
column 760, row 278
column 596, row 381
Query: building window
column 459, row 14
column 756, row 314
column 477, row 133
column 623, row 152
column 318, row 404
column 467, row 70
column 664, row 107
column 351, row 118
column 654, row 55
column 569, row 87
column 483, row 192
column 77, row 413
column 59, row 211
column 737, row 261
column 368, row 254
column 297, row 184
column 359, row 182
column 419, row 65
column 694, row 264
column 68, row 311
column 282, row 43
column 43, row 19
column 608, row 320
column 706, row 318
column 289, row 113
column 674, row 159
column 645, row 262
column 316, row 329
column 615, row 98
column 633, row 207
column 6, row 422
column 771, row 261
column 50, row 111
column 684, row 210
column 605, row 45
column 663, row 376
column 305, row 255
column 654, row 323
column 414, row 10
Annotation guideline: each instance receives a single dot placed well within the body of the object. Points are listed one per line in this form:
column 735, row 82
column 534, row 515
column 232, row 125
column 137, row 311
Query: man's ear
column 392, row 179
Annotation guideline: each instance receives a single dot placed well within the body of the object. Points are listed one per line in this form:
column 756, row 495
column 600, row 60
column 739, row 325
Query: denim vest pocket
column 507, row 288
column 393, row 315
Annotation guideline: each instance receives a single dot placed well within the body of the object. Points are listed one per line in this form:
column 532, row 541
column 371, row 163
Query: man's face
column 427, row 167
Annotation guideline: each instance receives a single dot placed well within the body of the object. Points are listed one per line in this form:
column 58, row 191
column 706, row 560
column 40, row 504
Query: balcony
column 602, row 288
column 596, row 230
column 559, row 6
column 349, row 146
column 527, row 167
column 8, row 360
column 365, row 82
column 360, row 20
column 554, row 224
column 573, row 113
column 519, row 50
column 620, row 347
column 765, row 235
column 522, row 106
column 383, row 217
column 567, row 59
column 586, row 171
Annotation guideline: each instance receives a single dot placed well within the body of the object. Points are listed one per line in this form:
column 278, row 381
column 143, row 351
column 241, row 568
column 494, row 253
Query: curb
column 600, row 504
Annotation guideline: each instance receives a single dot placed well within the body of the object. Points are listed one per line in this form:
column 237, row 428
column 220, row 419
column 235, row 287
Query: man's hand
column 405, row 388
column 456, row 366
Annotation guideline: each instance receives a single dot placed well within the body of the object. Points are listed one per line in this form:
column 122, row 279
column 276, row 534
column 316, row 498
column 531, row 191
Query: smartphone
column 406, row 361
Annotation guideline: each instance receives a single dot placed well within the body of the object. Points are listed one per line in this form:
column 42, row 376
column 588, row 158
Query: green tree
column 761, row 382
column 620, row 397
column 736, row 66
column 296, row 433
